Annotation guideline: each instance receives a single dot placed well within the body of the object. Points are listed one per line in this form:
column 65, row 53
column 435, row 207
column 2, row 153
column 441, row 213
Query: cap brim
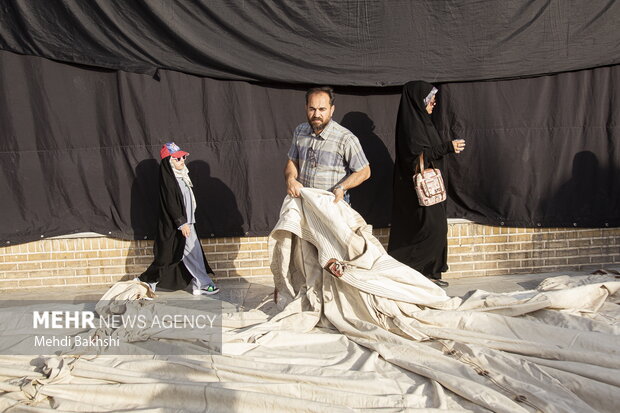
column 178, row 154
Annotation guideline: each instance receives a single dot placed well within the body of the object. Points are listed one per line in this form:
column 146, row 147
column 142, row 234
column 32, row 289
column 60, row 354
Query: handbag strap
column 421, row 163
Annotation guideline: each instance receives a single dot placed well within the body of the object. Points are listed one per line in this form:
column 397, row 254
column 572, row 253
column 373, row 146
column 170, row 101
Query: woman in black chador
column 179, row 257
column 419, row 234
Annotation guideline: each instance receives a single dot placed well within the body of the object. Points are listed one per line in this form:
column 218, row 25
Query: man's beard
column 318, row 127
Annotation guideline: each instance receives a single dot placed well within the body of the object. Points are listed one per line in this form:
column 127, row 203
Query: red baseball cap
column 171, row 149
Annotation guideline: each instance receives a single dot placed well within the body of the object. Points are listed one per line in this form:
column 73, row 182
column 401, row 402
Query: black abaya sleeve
column 436, row 152
column 412, row 153
column 174, row 207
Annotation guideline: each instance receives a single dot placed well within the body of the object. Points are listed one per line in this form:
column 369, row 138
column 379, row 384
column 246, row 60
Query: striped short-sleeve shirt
column 326, row 159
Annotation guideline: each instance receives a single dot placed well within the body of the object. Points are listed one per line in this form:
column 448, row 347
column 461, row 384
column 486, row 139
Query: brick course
column 474, row 250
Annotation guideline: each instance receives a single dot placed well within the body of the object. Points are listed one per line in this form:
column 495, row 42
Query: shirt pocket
column 330, row 160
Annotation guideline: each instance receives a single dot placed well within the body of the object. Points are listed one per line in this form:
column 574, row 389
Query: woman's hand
column 459, row 145
column 185, row 230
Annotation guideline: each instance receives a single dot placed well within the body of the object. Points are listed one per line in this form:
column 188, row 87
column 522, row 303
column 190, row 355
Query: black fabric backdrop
column 89, row 90
column 540, row 152
column 352, row 43
column 79, row 148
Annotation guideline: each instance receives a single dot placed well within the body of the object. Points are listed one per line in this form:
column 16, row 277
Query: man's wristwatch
column 339, row 187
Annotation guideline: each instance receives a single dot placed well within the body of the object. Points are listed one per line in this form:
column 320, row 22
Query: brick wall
column 474, row 250
column 479, row 250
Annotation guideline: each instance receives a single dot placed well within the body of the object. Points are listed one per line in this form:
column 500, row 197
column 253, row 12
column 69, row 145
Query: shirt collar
column 323, row 135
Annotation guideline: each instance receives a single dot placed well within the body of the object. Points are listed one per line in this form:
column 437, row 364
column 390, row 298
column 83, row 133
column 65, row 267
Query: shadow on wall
column 143, row 214
column 588, row 199
column 585, row 198
column 217, row 215
column 145, row 200
column 372, row 199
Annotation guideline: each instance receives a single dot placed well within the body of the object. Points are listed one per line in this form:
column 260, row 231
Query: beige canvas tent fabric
column 382, row 337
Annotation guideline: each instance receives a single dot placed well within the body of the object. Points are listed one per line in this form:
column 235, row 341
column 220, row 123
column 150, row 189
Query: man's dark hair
column 322, row 89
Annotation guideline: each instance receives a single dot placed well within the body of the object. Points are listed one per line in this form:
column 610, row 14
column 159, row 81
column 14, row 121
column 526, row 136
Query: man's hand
column 293, row 187
column 185, row 230
column 335, row 267
column 352, row 181
column 339, row 192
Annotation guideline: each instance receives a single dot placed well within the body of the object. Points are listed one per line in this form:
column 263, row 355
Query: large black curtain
column 541, row 152
column 90, row 90
column 79, row 148
column 353, row 42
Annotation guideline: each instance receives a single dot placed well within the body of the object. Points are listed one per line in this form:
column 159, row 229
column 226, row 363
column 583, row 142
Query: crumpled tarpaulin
column 380, row 337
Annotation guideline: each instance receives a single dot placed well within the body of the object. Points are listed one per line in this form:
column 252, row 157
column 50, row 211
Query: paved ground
column 245, row 295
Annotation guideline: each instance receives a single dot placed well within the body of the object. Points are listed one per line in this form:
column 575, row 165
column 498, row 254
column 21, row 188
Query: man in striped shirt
column 324, row 155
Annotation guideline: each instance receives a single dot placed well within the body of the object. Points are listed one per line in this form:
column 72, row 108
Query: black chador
column 418, row 235
column 168, row 268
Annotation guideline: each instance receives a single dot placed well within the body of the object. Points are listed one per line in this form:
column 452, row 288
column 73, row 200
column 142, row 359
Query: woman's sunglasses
column 179, row 158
